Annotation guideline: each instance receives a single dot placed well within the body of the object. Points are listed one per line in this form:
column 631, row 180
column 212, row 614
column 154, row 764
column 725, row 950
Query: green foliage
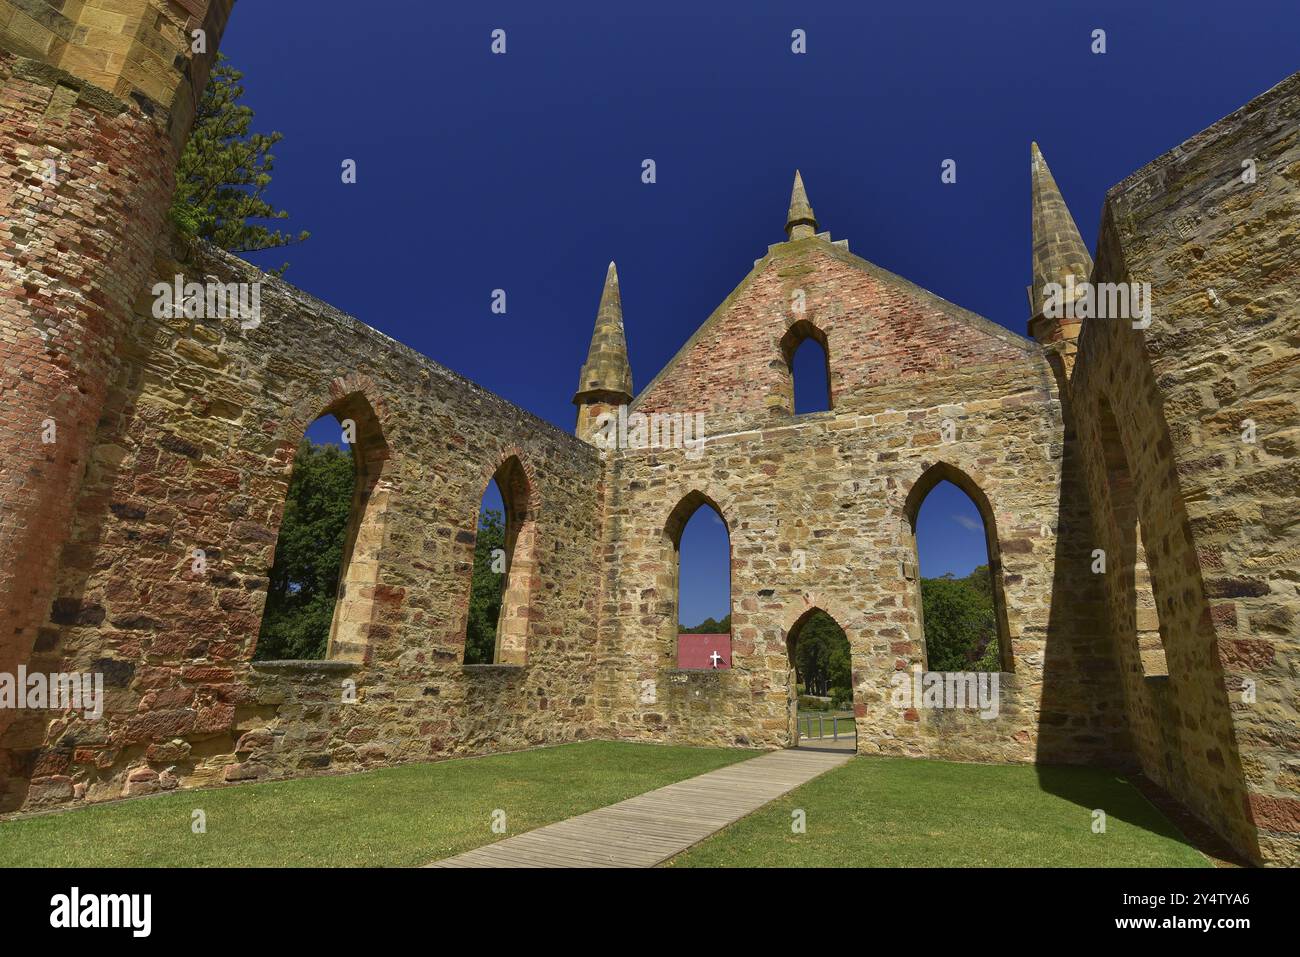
column 485, row 591
column 960, row 623
column 821, row 655
column 308, row 555
column 841, row 697
column 224, row 171
column 979, row 580
column 710, row 627
column 813, row 704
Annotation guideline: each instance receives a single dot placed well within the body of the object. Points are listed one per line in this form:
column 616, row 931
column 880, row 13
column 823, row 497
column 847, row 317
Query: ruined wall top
column 155, row 53
column 889, row 342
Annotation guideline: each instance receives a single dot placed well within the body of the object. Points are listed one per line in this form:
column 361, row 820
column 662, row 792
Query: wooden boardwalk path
column 650, row 828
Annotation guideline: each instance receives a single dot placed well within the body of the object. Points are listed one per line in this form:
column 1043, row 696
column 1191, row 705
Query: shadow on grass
column 1157, row 811
column 912, row 812
column 1110, row 792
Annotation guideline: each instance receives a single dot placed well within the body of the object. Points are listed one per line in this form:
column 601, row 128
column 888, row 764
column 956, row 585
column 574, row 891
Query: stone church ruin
column 176, row 433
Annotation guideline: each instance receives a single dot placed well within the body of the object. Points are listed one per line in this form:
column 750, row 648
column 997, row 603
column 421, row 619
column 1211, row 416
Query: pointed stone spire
column 1059, row 255
column 800, row 223
column 605, row 381
column 1058, row 248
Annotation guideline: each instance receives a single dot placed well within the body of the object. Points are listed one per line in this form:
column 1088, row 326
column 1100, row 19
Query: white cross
column 715, row 658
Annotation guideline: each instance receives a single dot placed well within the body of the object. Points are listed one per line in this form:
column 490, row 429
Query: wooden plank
column 648, row 829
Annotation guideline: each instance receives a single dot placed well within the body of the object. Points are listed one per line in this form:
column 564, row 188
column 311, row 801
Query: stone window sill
column 481, row 669
column 289, row 666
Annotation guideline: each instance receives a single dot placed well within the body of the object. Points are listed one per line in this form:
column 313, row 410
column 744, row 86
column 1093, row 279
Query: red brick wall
column 73, row 255
column 881, row 331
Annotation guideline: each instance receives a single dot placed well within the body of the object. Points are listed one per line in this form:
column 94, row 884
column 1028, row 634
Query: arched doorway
column 819, row 683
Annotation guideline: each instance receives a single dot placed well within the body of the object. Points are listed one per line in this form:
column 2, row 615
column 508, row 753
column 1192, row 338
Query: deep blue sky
column 522, row 172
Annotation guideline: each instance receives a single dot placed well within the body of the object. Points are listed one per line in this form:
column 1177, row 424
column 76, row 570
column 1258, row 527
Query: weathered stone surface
column 1170, row 404
column 179, row 434
column 817, row 508
column 180, row 649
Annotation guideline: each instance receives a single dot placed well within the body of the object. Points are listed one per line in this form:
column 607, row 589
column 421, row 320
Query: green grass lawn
column 399, row 816
column 899, row 812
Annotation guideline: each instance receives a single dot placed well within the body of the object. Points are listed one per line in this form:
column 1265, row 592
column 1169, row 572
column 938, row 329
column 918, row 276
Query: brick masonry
column 83, row 189
column 176, row 434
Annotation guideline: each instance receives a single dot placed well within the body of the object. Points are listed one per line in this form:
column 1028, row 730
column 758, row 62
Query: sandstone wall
column 818, row 513
column 1218, row 514
column 146, row 52
column 194, row 451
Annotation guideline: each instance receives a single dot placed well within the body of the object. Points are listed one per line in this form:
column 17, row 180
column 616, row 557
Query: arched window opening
column 820, row 680
column 1139, row 613
column 807, row 359
column 329, row 539
column 959, row 574
column 496, row 629
column 487, row 580
column 701, row 583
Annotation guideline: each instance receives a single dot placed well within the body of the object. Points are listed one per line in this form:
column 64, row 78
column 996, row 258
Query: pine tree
column 224, row 172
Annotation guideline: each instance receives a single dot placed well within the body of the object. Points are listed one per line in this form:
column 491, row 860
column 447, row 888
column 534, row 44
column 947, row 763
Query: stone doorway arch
column 794, row 621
